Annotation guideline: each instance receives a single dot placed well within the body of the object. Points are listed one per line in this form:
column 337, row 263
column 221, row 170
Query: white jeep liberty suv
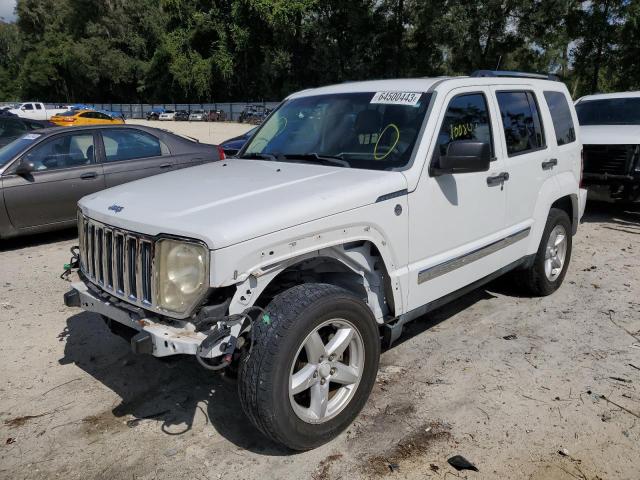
column 353, row 209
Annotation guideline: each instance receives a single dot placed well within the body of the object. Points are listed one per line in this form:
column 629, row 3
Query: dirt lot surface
column 207, row 132
column 537, row 388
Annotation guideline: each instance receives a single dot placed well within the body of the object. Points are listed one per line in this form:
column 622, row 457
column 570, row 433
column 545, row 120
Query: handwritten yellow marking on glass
column 375, row 148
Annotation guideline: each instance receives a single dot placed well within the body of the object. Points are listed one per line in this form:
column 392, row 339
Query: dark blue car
column 233, row 145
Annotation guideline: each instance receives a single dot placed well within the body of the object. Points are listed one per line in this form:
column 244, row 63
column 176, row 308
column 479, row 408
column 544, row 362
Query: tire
column 266, row 375
column 536, row 280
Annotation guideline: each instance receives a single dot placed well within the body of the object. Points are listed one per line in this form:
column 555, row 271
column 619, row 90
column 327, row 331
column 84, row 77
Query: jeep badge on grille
column 116, row 208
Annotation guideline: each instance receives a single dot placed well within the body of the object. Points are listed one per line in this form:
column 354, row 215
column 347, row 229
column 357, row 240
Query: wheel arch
column 560, row 192
column 569, row 204
column 357, row 266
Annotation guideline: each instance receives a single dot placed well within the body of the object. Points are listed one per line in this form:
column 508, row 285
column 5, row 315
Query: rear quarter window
column 561, row 117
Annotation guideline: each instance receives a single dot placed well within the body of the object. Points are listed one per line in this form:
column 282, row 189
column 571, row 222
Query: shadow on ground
column 37, row 240
column 615, row 216
column 171, row 392
column 176, row 392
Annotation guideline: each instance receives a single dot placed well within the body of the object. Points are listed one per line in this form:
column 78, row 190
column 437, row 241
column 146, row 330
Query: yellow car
column 84, row 117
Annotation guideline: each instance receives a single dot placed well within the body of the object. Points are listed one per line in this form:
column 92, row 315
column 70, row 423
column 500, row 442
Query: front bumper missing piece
column 152, row 337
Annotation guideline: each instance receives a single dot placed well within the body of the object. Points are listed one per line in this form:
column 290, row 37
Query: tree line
column 134, row 51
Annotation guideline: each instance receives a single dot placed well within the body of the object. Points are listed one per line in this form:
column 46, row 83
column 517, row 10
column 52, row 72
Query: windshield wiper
column 315, row 157
column 260, row 156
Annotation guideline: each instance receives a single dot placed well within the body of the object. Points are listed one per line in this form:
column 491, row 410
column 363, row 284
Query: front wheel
column 312, row 367
column 546, row 273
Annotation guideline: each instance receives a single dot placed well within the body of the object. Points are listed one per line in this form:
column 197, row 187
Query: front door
column 65, row 171
column 457, row 220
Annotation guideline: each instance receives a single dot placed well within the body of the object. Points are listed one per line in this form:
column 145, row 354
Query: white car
column 167, row 115
column 610, row 125
column 196, row 116
column 36, row 111
column 354, row 209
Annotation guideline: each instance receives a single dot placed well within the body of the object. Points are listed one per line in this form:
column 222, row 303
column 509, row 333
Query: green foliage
column 219, row 50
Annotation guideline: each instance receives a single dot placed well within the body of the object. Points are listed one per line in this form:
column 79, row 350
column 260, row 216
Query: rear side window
column 467, row 118
column 130, row 144
column 561, row 116
column 11, row 128
column 521, row 121
column 38, row 106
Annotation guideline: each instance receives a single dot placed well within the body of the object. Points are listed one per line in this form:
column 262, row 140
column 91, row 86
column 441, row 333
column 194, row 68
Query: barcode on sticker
column 397, row 98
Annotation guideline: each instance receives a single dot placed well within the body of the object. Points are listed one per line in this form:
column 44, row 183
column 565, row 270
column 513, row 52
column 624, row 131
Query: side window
column 467, row 118
column 65, row 151
column 34, row 126
column 561, row 116
column 87, row 115
column 11, row 128
column 38, row 106
column 521, row 121
column 129, row 144
column 28, row 106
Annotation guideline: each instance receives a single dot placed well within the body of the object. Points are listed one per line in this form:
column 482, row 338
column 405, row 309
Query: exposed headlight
column 182, row 269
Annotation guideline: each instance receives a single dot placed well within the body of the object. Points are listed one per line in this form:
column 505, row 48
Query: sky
column 6, row 10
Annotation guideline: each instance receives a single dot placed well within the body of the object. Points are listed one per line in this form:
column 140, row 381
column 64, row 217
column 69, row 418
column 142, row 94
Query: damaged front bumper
column 148, row 334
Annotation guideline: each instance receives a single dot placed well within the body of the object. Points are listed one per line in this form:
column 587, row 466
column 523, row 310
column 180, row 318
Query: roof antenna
column 499, row 62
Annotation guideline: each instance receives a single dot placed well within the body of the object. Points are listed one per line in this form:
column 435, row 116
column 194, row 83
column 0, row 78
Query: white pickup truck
column 352, row 210
column 35, row 111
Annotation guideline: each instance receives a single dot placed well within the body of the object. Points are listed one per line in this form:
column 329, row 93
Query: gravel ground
column 538, row 388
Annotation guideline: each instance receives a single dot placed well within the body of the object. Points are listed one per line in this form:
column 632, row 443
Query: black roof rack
column 511, row 74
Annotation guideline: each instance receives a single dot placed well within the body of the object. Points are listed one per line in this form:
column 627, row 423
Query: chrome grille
column 610, row 159
column 118, row 261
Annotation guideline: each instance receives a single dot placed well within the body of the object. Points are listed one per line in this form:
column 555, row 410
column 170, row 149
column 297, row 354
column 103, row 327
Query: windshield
column 613, row 111
column 371, row 130
column 10, row 151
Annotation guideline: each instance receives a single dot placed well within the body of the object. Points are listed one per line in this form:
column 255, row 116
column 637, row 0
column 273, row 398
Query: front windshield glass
column 11, row 150
column 612, row 111
column 371, row 130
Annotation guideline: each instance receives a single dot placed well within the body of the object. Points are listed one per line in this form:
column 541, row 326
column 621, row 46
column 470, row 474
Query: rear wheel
column 312, row 367
column 549, row 267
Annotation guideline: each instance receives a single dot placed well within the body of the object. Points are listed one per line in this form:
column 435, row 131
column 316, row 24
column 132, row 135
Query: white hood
column 224, row 203
column 610, row 134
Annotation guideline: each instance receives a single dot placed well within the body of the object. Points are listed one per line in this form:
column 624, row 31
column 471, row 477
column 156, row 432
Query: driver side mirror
column 25, row 167
column 464, row 156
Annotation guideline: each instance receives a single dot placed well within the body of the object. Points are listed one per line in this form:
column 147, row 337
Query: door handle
column 88, row 175
column 497, row 179
column 549, row 164
column 166, row 165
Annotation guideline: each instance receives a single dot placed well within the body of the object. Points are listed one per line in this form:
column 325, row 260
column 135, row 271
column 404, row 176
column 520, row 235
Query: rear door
column 65, row 171
column 129, row 154
column 525, row 136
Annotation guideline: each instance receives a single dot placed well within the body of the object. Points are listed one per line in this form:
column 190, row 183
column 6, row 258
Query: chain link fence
column 140, row 110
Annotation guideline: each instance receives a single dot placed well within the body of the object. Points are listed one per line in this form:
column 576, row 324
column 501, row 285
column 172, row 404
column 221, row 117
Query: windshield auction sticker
column 397, row 98
column 31, row 136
